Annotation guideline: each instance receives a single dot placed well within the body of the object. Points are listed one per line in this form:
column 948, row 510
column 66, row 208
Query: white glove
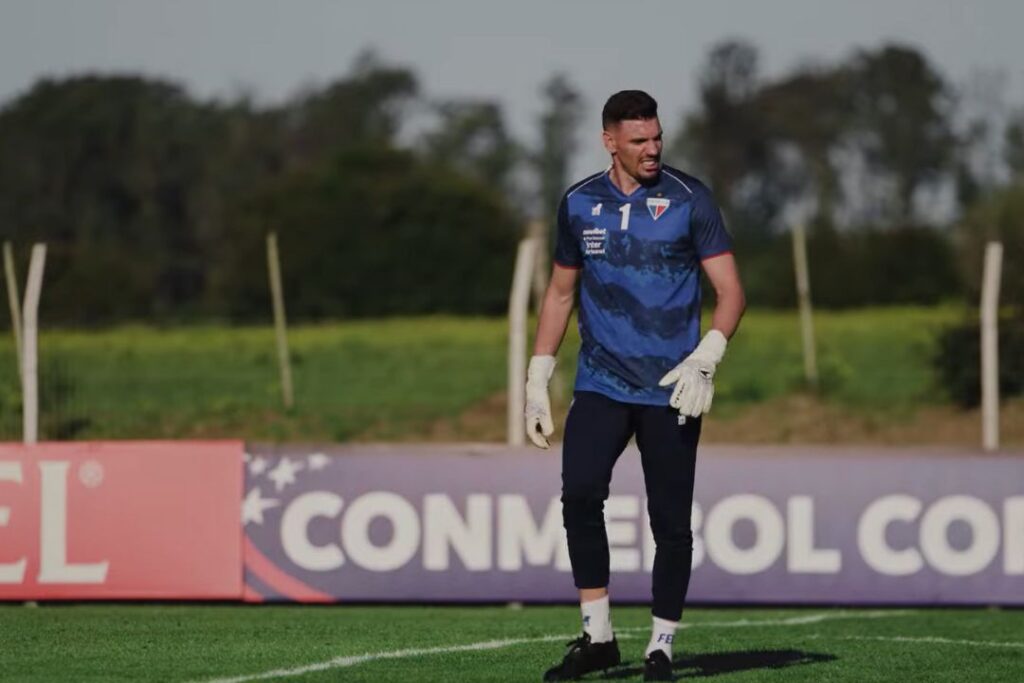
column 694, row 388
column 538, row 405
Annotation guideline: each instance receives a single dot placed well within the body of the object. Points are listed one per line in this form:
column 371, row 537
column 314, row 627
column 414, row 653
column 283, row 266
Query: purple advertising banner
column 771, row 525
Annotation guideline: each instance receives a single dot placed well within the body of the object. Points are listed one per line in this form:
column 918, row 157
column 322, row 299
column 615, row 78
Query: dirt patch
column 806, row 419
column 484, row 421
column 793, row 419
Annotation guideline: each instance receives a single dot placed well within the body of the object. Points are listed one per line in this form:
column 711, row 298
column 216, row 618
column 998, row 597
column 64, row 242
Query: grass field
column 203, row 643
column 415, row 379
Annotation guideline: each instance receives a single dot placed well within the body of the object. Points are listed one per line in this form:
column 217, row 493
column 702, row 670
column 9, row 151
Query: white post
column 541, row 269
column 12, row 301
column 518, row 309
column 990, row 346
column 280, row 325
column 29, row 365
column 803, row 295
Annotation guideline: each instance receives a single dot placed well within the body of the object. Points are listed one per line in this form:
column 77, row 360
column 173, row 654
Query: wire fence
column 444, row 378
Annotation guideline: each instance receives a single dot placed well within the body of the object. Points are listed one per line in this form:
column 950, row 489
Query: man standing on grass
column 634, row 236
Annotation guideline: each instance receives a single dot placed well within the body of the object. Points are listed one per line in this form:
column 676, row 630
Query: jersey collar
column 638, row 193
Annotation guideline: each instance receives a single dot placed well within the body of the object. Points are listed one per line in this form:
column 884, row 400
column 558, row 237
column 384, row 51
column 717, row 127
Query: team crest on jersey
column 657, row 206
column 596, row 211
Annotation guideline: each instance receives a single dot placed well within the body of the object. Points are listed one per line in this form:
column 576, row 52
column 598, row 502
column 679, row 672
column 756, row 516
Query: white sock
column 663, row 632
column 597, row 621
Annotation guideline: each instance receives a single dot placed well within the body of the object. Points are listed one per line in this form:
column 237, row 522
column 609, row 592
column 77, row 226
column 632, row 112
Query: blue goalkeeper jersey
column 639, row 256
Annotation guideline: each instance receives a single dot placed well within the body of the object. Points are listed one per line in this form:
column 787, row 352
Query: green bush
column 958, row 360
column 902, row 265
column 375, row 233
column 1000, row 217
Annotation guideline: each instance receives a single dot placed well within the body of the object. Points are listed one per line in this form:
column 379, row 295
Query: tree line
column 390, row 201
column 899, row 176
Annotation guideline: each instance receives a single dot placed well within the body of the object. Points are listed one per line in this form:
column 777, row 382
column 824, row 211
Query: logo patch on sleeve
column 657, row 206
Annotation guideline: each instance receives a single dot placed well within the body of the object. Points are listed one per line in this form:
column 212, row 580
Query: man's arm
column 692, row 378
column 554, row 317
column 730, row 301
column 555, row 310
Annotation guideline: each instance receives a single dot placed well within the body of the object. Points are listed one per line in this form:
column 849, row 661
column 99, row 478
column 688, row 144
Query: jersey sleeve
column 710, row 238
column 567, row 247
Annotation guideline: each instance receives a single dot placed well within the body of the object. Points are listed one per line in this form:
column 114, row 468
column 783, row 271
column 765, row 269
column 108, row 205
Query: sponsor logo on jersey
column 594, row 241
column 657, row 206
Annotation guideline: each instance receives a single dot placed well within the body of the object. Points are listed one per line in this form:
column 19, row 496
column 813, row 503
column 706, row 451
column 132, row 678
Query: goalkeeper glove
column 538, row 405
column 693, row 377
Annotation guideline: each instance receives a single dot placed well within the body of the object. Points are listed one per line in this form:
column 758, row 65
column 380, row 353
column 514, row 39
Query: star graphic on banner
column 254, row 505
column 258, row 466
column 284, row 473
column 317, row 461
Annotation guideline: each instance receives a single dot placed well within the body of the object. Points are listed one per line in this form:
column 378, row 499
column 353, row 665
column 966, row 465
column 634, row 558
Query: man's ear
column 609, row 141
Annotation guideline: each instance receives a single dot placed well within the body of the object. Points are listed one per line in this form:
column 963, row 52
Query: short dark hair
column 628, row 105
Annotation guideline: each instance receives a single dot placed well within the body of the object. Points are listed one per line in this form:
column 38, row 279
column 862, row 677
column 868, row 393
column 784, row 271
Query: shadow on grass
column 699, row 666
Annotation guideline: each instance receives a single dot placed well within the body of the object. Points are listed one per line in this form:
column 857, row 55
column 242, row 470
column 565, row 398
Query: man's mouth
column 649, row 165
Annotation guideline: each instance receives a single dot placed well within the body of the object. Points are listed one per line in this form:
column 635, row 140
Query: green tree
column 156, row 205
column 472, row 138
column 765, row 145
column 981, row 144
column 107, row 170
column 1015, row 146
column 805, row 115
column 900, row 110
column 998, row 217
column 366, row 107
column 559, row 141
column 725, row 141
column 559, row 126
column 373, row 233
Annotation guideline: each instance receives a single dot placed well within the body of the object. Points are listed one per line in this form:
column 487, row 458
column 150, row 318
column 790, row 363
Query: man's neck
column 626, row 183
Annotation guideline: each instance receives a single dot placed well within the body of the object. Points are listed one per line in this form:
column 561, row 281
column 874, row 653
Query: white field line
column 623, row 634
column 924, row 639
column 788, row 621
column 343, row 662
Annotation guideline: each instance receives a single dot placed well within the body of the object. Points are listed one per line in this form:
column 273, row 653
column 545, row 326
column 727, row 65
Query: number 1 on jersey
column 624, row 223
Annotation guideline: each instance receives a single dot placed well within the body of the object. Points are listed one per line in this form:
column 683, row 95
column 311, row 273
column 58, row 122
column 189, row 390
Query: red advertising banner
column 104, row 520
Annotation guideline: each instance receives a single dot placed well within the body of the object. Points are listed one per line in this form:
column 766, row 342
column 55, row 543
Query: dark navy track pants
column 596, row 432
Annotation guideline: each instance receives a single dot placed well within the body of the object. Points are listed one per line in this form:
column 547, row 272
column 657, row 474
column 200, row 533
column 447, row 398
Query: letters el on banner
column 118, row 520
column 771, row 524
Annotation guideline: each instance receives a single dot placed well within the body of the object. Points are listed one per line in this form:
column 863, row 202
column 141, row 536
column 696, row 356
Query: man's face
column 636, row 144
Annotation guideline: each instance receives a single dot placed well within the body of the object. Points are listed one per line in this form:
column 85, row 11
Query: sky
column 494, row 50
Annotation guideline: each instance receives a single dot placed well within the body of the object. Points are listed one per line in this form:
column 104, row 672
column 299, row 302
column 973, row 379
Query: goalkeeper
column 633, row 236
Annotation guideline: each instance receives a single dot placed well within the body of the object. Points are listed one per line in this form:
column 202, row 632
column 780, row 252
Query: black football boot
column 657, row 667
column 584, row 657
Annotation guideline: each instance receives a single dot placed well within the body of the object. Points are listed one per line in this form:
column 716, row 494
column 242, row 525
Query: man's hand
column 538, row 406
column 693, row 377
